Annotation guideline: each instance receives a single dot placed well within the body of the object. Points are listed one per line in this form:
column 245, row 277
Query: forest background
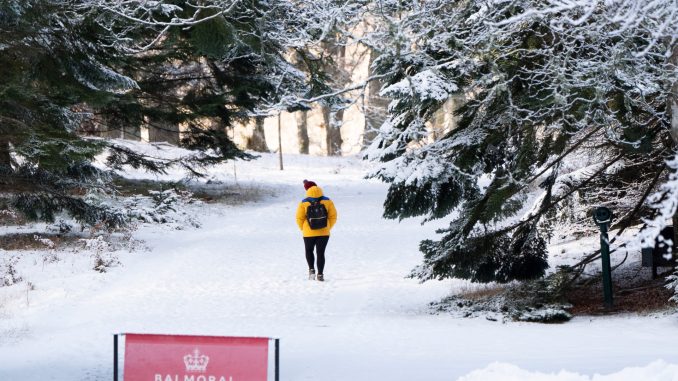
column 511, row 118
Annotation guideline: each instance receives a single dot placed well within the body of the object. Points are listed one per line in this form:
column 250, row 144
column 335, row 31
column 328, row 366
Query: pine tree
column 536, row 94
column 52, row 60
column 203, row 78
column 67, row 64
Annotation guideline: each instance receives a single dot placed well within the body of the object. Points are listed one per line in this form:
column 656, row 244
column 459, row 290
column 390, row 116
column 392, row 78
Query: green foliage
column 436, row 199
column 491, row 257
column 66, row 65
column 51, row 62
column 212, row 38
column 532, row 93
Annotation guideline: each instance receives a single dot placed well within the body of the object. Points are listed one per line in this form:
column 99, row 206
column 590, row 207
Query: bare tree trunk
column 130, row 132
column 672, row 101
column 302, row 116
column 333, row 116
column 257, row 142
column 673, row 96
column 162, row 132
column 302, row 132
column 375, row 107
column 333, row 122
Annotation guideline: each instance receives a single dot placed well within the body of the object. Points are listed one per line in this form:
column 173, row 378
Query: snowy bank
column 656, row 371
column 243, row 273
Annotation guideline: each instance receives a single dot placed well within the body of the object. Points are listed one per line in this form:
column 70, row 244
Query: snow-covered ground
column 243, row 273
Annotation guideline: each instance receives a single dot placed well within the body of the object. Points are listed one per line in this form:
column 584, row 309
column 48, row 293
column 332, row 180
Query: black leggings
column 320, row 243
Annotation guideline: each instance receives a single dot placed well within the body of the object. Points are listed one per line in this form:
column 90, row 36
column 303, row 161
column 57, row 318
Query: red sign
column 195, row 358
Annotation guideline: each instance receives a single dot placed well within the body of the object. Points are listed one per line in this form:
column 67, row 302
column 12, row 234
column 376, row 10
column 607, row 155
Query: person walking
column 316, row 215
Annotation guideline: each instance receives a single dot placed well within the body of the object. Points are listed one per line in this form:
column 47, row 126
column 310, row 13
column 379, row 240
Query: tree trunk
column 158, row 131
column 673, row 96
column 302, row 132
column 375, row 107
column 130, row 132
column 257, row 142
column 302, row 116
column 333, row 115
column 672, row 101
column 333, row 121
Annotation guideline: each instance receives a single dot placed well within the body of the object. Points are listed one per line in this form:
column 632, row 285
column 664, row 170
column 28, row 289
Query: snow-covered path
column 243, row 273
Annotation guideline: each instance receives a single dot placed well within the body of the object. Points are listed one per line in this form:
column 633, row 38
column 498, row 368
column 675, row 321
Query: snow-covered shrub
column 537, row 301
column 128, row 242
column 62, row 226
column 45, row 241
column 8, row 216
column 165, row 207
column 51, row 255
column 168, row 201
column 102, row 253
column 543, row 314
column 8, row 213
column 8, row 272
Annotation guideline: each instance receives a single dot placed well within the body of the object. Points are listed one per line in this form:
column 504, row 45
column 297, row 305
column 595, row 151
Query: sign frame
column 116, row 353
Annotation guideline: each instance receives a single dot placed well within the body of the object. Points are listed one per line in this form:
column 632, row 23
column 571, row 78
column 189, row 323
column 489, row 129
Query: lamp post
column 603, row 217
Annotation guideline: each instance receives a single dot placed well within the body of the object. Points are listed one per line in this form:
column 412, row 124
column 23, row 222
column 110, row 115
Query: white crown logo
column 196, row 362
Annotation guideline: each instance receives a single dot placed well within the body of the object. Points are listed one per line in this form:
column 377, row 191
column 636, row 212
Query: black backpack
column 316, row 215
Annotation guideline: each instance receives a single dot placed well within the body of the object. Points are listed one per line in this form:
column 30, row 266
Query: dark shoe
column 321, row 277
column 311, row 274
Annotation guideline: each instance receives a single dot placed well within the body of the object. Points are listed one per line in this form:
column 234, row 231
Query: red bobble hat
column 308, row 184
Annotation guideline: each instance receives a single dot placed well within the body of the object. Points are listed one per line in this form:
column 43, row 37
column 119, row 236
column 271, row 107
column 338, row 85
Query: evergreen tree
column 202, row 79
column 68, row 64
column 52, row 59
column 536, row 95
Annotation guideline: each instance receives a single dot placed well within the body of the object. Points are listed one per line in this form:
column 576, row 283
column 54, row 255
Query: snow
column 243, row 273
column 656, row 371
column 665, row 204
column 428, row 85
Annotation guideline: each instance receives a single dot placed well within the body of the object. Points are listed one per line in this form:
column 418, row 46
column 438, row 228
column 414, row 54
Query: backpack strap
column 314, row 199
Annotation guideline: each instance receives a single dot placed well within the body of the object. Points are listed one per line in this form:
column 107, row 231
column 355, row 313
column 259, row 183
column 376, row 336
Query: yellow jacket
column 316, row 192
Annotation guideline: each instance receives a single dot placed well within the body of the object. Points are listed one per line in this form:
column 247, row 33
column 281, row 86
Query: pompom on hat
column 308, row 184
